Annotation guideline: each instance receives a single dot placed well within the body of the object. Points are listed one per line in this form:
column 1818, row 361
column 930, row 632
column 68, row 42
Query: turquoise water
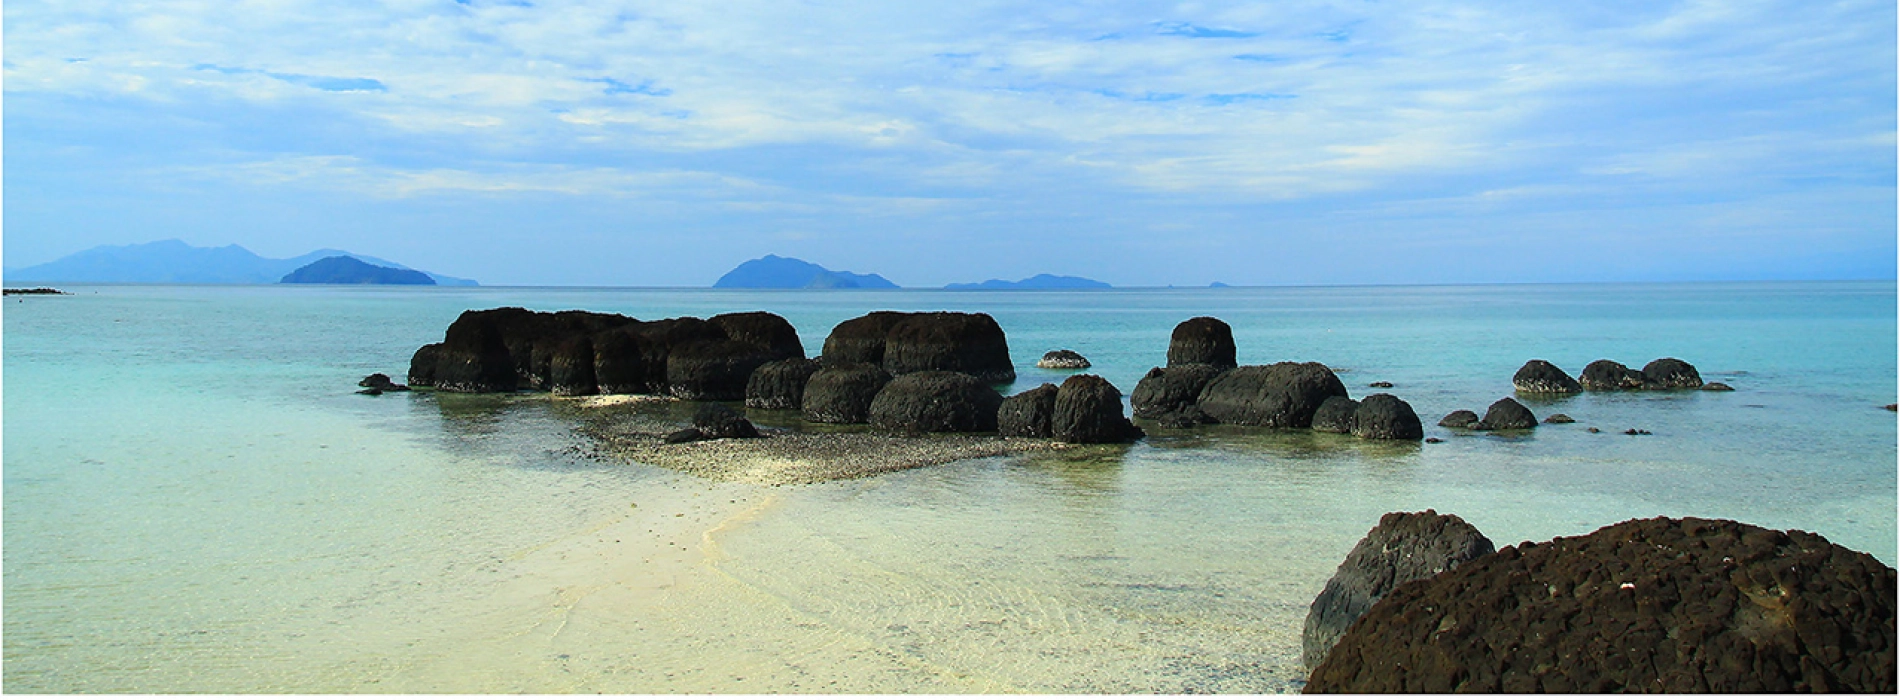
column 195, row 500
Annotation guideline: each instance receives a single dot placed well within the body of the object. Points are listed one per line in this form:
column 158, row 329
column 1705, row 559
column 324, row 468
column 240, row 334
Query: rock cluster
column 1656, row 605
column 1504, row 414
column 1666, row 373
column 1403, row 547
column 376, row 384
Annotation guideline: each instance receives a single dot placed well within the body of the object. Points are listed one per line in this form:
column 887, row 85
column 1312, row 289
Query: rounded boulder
column 779, row 385
column 1386, row 417
column 1609, row 375
column 842, row 393
column 936, row 402
column 1027, row 414
column 1335, row 415
column 1402, row 547
column 1202, row 340
column 1671, row 373
column 1540, row 377
column 1282, row 395
column 1089, row 410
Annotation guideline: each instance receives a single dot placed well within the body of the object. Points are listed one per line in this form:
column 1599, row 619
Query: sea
column 196, row 499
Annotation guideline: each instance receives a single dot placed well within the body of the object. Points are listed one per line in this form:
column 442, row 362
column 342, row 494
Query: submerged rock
column 1461, row 418
column 1282, row 395
column 1540, row 377
column 1088, row 409
column 1386, row 417
column 1556, row 418
column 1657, row 605
column 936, row 402
column 1063, row 359
column 1403, row 547
column 1203, row 340
column 1507, row 414
column 1717, row 386
column 1027, row 414
column 380, row 383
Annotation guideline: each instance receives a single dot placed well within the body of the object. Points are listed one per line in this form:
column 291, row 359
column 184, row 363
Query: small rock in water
column 372, row 391
column 1559, row 418
column 1380, row 385
column 380, row 383
column 1717, row 386
column 1459, row 419
column 1635, row 431
column 1595, row 430
column 1063, row 359
column 1433, row 440
column 1892, row 407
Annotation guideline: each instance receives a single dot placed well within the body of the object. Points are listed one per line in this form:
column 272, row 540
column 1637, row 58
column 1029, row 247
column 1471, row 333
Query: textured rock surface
column 842, row 393
column 766, row 330
column 1657, row 605
column 1202, row 340
column 1063, row 359
column 422, row 365
column 1402, row 547
column 713, row 370
column 1459, row 419
column 779, row 385
column 1386, row 417
column 1717, row 386
column 949, row 342
column 936, row 402
column 1168, row 391
column 620, row 362
column 1507, row 414
column 1027, row 414
column 1088, row 410
column 861, row 339
column 1335, row 415
column 1671, row 373
column 1282, row 395
column 1540, row 377
column 571, row 367
column 1608, row 375
column 715, row 421
column 474, row 356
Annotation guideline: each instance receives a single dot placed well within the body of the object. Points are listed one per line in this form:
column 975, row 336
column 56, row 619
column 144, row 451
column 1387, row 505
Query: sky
column 538, row 142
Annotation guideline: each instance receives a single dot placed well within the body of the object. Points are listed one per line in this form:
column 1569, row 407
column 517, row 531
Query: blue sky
column 1139, row 143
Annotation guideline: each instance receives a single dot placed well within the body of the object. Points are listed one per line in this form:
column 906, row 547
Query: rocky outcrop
column 1657, row 605
column 1282, row 395
column 1386, row 417
column 1063, row 359
column 779, row 385
column 1507, row 414
column 422, row 365
column 861, row 339
column 949, row 342
column 621, row 361
column 936, row 402
column 1171, row 392
column 1671, row 373
column 1027, row 414
column 1607, row 375
column 474, row 356
column 376, row 384
column 1403, row 547
column 1202, row 340
column 1461, row 418
column 766, row 330
column 1717, row 386
column 571, row 367
column 1540, row 377
column 1088, row 410
column 842, row 393
column 1335, row 415
column 713, row 370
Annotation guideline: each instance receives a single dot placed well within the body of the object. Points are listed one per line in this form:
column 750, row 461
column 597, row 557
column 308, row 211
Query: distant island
column 343, row 269
column 774, row 272
column 1042, row 281
column 175, row 262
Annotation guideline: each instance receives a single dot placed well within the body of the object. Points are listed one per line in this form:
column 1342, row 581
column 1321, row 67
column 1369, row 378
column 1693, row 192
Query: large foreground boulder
column 1658, row 605
column 1202, row 340
column 1403, row 547
column 842, row 393
column 1540, row 377
column 1507, row 414
column 1171, row 391
column 949, row 342
column 1089, row 410
column 1282, row 395
column 1671, row 373
column 1386, row 417
column 779, row 385
column 936, row 402
column 1027, row 414
column 1608, row 375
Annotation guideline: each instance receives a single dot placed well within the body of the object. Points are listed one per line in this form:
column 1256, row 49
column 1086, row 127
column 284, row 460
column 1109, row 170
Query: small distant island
column 343, row 269
column 173, row 261
column 1042, row 281
column 35, row 290
column 774, row 272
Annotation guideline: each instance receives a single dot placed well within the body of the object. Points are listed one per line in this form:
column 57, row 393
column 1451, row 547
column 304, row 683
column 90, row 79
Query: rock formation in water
column 1507, row 414
column 842, row 393
column 1657, row 605
column 1088, row 409
column 1282, row 395
column 1202, row 340
column 1063, row 359
column 1027, row 414
column 1169, row 394
column 1403, row 547
column 1335, row 415
column 936, row 402
column 1385, row 417
column 1540, row 377
column 919, row 342
column 1461, row 418
column 780, row 385
column 1670, row 373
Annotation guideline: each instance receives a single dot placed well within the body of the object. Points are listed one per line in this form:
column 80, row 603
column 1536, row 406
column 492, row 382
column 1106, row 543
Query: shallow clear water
column 195, row 500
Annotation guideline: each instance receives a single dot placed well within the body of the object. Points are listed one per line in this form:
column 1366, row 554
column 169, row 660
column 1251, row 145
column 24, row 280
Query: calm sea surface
column 195, row 500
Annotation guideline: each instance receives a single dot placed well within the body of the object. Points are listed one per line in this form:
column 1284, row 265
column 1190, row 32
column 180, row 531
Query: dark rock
column 1594, row 429
column 1027, row 414
column 1540, row 377
column 1183, row 419
column 936, row 402
column 1282, row 395
column 779, row 385
column 713, row 370
column 1636, row 431
column 1403, row 547
column 1717, row 386
column 842, row 393
column 621, row 362
column 1559, row 418
column 1605, row 375
column 1202, row 340
column 1063, row 359
column 372, row 391
column 381, row 383
column 715, row 421
column 422, row 364
column 1335, row 415
column 1386, row 417
column 949, row 342
column 1169, row 391
column 1380, row 385
column 571, row 367
column 1459, row 419
column 766, row 330
column 1671, row 373
column 687, row 435
column 1433, row 440
column 1507, row 414
column 1088, row 410
column 474, row 357
column 1892, row 407
column 1657, row 605
column 861, row 339
column 658, row 341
